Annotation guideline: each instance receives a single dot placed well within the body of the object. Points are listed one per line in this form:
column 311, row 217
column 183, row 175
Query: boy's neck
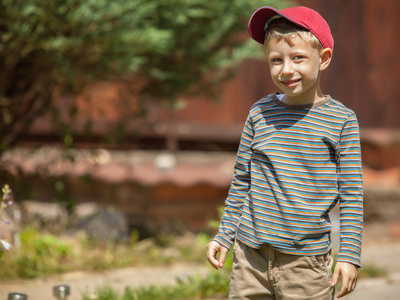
column 310, row 97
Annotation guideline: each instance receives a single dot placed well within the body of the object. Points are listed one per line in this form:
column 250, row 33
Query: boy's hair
column 282, row 29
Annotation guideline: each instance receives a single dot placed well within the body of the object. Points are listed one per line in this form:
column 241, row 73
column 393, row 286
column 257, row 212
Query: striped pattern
column 294, row 164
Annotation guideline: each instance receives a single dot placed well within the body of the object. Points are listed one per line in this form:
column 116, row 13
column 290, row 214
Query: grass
column 195, row 287
column 41, row 255
column 216, row 285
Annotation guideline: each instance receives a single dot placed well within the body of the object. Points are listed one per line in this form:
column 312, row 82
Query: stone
column 106, row 225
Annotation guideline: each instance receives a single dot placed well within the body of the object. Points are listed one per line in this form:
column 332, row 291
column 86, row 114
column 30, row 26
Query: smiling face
column 295, row 69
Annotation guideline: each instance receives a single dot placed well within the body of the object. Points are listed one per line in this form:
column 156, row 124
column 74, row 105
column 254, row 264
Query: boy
column 298, row 157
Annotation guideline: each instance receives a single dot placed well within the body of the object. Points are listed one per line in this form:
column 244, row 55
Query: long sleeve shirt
column 293, row 165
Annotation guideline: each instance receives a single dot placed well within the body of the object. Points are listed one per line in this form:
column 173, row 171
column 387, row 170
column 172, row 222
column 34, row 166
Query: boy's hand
column 212, row 250
column 349, row 275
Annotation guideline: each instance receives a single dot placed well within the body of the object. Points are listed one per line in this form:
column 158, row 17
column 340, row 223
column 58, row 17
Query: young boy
column 298, row 157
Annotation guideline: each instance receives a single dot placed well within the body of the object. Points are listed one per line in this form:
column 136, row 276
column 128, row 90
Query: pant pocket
column 323, row 262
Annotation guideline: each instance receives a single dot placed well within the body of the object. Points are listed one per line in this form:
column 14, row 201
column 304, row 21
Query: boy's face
column 294, row 68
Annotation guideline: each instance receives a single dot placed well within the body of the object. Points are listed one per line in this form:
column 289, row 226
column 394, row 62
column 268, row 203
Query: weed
column 41, row 254
column 195, row 287
column 5, row 201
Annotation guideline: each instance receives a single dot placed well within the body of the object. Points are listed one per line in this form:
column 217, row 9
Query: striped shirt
column 294, row 164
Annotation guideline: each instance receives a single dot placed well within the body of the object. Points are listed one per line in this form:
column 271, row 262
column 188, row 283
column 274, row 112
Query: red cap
column 303, row 16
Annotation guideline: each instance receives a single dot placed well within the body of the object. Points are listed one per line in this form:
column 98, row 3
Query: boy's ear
column 325, row 58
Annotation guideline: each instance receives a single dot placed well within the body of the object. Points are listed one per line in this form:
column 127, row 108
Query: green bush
column 195, row 287
column 41, row 255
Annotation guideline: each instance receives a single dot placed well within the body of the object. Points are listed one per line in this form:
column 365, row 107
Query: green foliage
column 216, row 284
column 5, row 201
column 44, row 254
column 194, row 287
column 53, row 48
column 41, row 254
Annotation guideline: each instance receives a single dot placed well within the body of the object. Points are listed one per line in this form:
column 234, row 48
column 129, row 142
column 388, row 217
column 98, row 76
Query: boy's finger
column 213, row 249
column 212, row 257
column 342, row 292
column 353, row 287
column 214, row 263
column 346, row 287
column 222, row 257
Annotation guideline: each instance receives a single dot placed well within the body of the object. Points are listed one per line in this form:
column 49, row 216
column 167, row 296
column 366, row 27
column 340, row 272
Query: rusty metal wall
column 363, row 74
column 365, row 70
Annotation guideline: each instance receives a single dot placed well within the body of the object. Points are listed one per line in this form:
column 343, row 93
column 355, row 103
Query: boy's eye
column 298, row 57
column 276, row 60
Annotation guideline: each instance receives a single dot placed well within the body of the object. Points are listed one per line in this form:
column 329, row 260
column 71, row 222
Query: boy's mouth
column 290, row 83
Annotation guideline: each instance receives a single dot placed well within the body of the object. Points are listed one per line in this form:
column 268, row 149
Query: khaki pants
column 269, row 274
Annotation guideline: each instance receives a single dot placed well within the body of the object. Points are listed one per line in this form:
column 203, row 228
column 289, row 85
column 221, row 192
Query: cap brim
column 258, row 20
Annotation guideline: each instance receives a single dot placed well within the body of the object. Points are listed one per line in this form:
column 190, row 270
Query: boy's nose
column 287, row 68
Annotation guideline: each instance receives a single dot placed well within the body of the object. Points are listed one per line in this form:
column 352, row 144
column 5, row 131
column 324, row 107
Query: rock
column 105, row 225
column 83, row 210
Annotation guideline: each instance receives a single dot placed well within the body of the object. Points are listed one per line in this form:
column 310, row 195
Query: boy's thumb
column 335, row 277
column 222, row 257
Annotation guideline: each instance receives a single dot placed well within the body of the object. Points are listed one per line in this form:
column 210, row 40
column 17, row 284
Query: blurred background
column 131, row 111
